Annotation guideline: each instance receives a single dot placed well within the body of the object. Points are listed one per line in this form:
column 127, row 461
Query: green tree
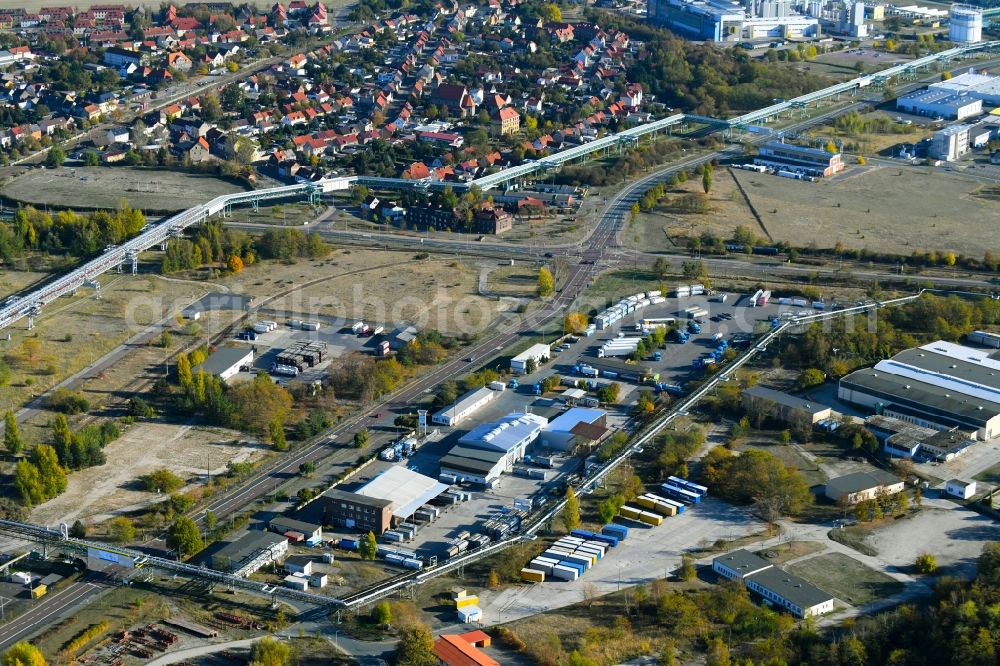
column 416, row 647
column 367, row 548
column 661, row 267
column 609, row 393
column 29, row 484
column 161, row 481
column 269, row 651
column 571, row 510
column 55, row 158
column 50, row 472
column 546, row 283
column 91, row 159
column 361, row 438
column 78, row 530
column 121, row 530
column 277, row 434
column 688, row 569
column 12, row 435
column 382, row 614
column 551, row 12
column 609, row 508
column 926, row 564
column 706, row 181
column 23, row 654
column 183, row 370
column 185, row 536
column 809, row 378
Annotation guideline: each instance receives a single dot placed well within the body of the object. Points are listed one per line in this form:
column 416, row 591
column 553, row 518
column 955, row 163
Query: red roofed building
column 463, row 649
column 506, row 122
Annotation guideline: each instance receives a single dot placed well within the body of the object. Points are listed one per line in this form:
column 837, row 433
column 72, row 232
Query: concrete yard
column 648, row 553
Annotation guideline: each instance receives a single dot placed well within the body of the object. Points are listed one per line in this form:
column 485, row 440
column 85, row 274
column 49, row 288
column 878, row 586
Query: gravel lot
column 954, row 535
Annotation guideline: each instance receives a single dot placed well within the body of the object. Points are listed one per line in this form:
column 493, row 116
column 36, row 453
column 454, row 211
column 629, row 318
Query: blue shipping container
column 618, row 531
column 348, row 544
column 573, row 565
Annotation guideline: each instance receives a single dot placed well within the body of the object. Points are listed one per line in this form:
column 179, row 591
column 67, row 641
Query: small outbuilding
column 960, row 489
column 861, row 486
column 226, row 362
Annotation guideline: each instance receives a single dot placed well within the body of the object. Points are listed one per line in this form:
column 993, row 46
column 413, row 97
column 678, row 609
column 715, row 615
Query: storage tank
column 965, row 24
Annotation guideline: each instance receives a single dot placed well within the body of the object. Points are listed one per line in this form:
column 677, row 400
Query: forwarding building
column 776, row 586
column 382, row 503
column 537, row 353
column 862, row 486
column 940, row 385
column 799, row 159
column 354, row 511
column 295, row 530
column 250, row 552
column 940, row 103
column 490, row 449
column 404, row 489
column 463, row 407
column 978, row 86
column 226, row 362
column 579, row 425
column 787, row 407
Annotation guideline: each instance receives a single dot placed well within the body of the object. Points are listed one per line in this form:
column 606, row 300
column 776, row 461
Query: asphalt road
column 48, row 609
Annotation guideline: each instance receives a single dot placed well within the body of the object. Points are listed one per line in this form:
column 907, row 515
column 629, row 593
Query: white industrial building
column 960, row 489
column 405, row 489
column 489, row 450
column 776, row 586
column 537, row 353
column 571, row 427
column 226, row 362
column 950, row 143
column 940, row 385
column 938, row 103
column 978, row 86
column 965, row 24
column 463, row 407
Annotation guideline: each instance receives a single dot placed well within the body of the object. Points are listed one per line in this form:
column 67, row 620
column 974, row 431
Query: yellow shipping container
column 532, row 576
column 466, row 601
column 651, row 518
column 38, row 591
column 630, row 512
column 665, row 509
column 645, row 502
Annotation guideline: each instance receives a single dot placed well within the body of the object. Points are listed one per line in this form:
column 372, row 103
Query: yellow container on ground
column 630, row 512
column 466, row 601
column 532, row 575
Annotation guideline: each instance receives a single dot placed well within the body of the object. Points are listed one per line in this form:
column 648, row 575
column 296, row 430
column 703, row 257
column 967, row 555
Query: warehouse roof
column 939, row 97
column 790, row 587
column 945, row 406
column 970, row 83
column 407, row 489
column 785, row 399
column 286, row 523
column 506, row 433
column 569, row 419
column 858, row 481
column 248, row 545
column 224, row 358
column 467, row 401
column 534, row 351
column 338, row 494
column 471, row 459
column 743, row 561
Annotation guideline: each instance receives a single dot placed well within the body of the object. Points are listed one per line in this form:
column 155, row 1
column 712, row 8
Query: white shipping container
column 564, row 573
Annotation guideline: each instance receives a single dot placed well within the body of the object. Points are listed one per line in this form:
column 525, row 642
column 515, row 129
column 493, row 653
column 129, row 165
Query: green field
column 846, row 578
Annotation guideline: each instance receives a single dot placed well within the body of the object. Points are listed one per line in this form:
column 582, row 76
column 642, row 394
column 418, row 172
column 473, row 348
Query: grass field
column 991, row 475
column 783, row 552
column 846, row 578
column 871, row 207
column 104, row 187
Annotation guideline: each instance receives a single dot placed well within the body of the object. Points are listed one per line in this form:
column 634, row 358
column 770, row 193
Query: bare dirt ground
column 386, row 287
column 98, row 492
column 883, row 209
column 74, row 332
column 104, row 187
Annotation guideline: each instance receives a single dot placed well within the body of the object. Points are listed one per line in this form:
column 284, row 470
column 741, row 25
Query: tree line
column 67, row 232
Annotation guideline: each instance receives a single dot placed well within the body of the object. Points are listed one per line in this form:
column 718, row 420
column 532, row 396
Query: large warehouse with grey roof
column 940, row 385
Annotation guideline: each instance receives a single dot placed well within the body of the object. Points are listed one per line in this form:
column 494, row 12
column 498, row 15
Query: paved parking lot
column 338, row 341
